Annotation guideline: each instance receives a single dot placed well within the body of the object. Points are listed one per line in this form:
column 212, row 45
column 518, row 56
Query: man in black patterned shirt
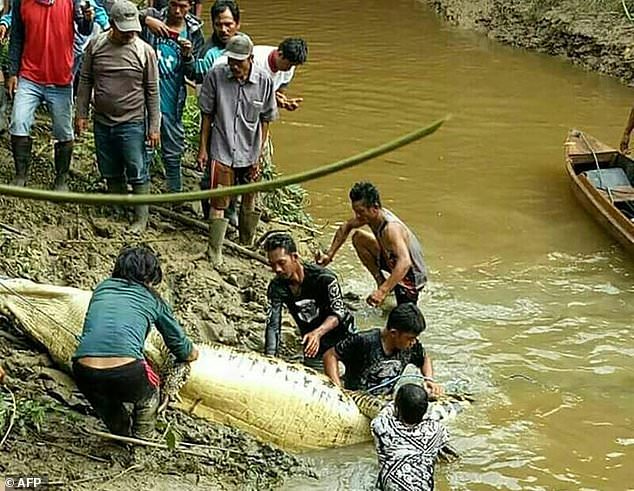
column 407, row 443
column 313, row 297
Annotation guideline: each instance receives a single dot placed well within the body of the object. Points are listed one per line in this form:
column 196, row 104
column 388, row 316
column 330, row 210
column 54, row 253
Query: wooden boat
column 603, row 181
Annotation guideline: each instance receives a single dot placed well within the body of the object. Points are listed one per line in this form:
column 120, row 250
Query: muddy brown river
column 530, row 304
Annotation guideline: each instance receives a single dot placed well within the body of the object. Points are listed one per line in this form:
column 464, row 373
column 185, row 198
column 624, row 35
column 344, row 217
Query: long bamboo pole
column 125, row 199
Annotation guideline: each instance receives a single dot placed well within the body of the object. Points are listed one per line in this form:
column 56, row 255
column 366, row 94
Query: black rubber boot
column 63, row 156
column 21, row 148
column 205, row 204
column 206, row 207
column 231, row 213
column 117, row 186
column 144, row 417
column 247, row 226
column 141, row 212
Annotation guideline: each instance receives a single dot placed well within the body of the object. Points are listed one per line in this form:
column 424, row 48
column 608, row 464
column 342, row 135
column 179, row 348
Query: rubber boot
column 231, row 213
column 248, row 225
column 63, row 156
column 204, row 203
column 117, row 186
column 141, row 212
column 206, row 207
column 21, row 147
column 217, row 231
column 144, row 417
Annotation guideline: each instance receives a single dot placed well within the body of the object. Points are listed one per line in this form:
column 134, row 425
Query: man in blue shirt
column 177, row 51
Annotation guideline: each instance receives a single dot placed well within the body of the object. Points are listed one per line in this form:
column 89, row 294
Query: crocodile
column 286, row 404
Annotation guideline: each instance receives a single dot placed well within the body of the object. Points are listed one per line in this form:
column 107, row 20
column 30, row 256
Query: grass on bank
column 618, row 7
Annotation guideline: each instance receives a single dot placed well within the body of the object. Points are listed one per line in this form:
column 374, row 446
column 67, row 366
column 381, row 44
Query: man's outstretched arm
column 396, row 242
column 338, row 240
column 331, row 366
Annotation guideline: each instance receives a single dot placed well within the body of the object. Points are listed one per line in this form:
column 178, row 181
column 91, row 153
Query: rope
column 12, row 420
column 151, row 199
column 627, row 11
column 383, row 384
column 596, row 162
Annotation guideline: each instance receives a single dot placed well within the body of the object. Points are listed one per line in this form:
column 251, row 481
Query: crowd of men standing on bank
column 131, row 70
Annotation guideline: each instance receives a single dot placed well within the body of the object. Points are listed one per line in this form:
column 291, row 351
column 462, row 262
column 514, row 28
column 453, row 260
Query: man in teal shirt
column 183, row 53
column 177, row 51
column 109, row 366
column 225, row 20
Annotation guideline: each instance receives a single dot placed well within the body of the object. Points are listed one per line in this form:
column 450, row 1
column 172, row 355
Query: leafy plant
column 32, row 413
column 170, row 435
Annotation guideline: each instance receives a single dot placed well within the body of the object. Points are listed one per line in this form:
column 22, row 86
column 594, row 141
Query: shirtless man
column 391, row 253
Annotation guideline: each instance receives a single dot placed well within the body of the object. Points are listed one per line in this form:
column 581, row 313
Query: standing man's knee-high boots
column 141, row 212
column 63, row 157
column 247, row 225
column 21, row 148
column 217, row 231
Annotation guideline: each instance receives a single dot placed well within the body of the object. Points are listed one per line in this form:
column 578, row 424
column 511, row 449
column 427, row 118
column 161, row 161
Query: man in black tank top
column 313, row 297
column 391, row 253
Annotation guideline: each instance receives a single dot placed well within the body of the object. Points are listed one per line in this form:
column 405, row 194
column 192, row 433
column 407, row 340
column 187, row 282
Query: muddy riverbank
column 595, row 35
column 76, row 246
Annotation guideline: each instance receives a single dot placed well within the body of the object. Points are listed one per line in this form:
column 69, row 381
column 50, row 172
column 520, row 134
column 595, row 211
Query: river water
column 530, row 303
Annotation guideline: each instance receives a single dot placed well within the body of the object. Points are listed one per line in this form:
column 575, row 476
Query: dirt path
column 76, row 246
column 595, row 35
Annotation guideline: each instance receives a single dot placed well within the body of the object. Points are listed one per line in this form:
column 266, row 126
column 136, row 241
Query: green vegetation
column 30, row 414
column 169, row 434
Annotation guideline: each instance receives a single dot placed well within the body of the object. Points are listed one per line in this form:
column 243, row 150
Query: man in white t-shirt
column 280, row 64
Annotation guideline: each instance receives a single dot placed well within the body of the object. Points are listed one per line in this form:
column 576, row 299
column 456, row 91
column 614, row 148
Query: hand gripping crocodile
column 288, row 405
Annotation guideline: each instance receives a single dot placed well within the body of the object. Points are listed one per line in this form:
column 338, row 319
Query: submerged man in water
column 109, row 365
column 376, row 358
column 391, row 253
column 313, row 297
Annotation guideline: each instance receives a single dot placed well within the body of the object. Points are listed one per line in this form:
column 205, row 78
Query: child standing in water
column 407, row 444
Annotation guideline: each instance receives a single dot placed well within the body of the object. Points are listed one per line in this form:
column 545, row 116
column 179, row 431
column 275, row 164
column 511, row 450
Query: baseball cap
column 239, row 47
column 125, row 16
